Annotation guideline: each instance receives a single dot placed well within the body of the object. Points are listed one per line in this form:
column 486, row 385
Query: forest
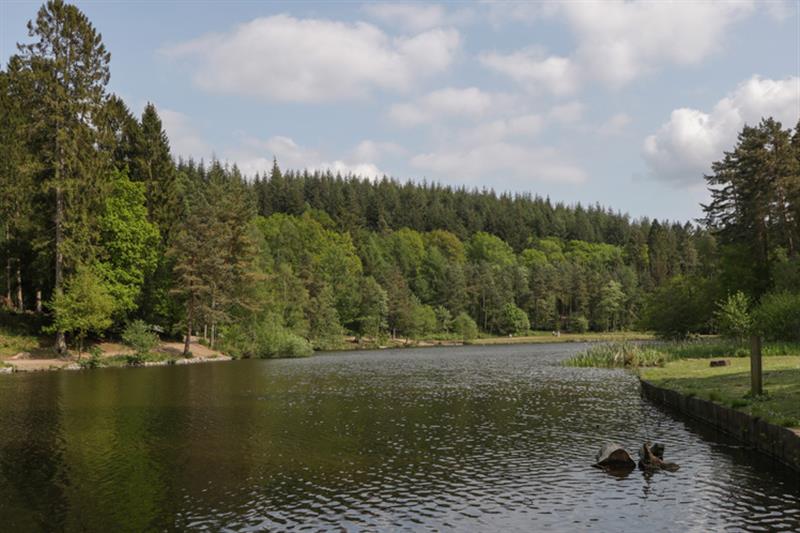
column 103, row 227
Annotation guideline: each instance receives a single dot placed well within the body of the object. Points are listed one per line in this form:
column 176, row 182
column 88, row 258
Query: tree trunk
column 755, row 366
column 38, row 300
column 187, row 342
column 8, row 281
column 20, row 299
column 61, row 343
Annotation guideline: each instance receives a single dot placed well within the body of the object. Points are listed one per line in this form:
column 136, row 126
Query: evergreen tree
column 68, row 65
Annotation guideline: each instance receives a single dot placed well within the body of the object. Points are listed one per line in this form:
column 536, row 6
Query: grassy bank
column 548, row 337
column 630, row 354
column 730, row 385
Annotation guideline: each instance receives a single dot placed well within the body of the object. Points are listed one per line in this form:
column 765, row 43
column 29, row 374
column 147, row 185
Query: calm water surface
column 472, row 439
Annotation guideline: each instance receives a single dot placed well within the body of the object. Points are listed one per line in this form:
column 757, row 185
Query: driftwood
column 652, row 458
column 613, row 455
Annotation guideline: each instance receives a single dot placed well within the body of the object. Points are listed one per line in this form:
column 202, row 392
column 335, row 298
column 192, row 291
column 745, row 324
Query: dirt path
column 38, row 360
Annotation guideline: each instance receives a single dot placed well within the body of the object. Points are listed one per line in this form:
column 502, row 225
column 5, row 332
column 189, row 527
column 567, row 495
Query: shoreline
column 25, row 365
column 780, row 443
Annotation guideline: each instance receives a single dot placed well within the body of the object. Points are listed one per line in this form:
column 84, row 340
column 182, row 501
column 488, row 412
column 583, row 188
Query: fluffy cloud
column 183, row 138
column 417, row 16
column 255, row 155
column 309, row 60
column 619, row 41
column 533, row 70
column 447, row 103
column 523, row 164
column 682, row 150
column 614, row 125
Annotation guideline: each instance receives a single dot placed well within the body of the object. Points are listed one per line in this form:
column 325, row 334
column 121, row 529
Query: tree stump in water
column 653, row 458
column 613, row 455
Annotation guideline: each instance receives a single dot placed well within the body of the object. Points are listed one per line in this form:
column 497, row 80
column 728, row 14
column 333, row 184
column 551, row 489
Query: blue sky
column 621, row 103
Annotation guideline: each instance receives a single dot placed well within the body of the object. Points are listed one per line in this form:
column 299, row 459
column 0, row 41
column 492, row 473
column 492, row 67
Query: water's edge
column 779, row 443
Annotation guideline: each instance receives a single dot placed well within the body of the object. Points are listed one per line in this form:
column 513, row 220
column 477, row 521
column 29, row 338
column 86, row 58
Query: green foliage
column 682, row 306
column 140, row 336
column 265, row 339
column 513, row 320
column 424, row 320
column 619, row 354
column 465, row 327
column 578, row 324
column 777, row 316
column 324, row 323
column 93, row 361
column 85, row 306
column 484, row 247
column 129, row 242
column 733, row 316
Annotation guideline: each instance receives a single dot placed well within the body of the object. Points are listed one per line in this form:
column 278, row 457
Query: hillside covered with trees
column 102, row 226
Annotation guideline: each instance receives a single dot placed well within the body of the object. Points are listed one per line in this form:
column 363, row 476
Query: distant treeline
column 101, row 227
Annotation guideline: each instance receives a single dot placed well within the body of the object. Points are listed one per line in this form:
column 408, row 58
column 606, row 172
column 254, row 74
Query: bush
column 465, row 327
column 578, row 324
column 777, row 317
column 733, row 316
column 140, row 336
column 513, row 320
column 683, row 306
column 266, row 338
column 93, row 361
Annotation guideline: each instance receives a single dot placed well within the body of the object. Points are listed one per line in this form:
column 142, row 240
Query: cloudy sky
column 622, row 103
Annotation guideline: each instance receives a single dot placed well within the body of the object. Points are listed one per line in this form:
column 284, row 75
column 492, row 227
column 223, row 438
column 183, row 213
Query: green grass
column 548, row 337
column 629, row 354
column 730, row 385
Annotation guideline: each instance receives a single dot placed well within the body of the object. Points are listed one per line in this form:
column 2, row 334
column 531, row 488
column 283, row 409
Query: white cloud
column 447, row 103
column 568, row 113
column 513, row 161
column 309, row 60
column 614, row 125
column 619, row 41
column 417, row 16
column 682, row 150
column 183, row 138
column 368, row 150
column 503, row 129
column 255, row 155
column 534, row 70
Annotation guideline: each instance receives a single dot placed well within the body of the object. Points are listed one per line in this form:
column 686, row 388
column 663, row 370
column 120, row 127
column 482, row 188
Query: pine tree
column 68, row 64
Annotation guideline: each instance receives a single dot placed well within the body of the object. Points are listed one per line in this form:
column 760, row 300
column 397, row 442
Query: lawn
column 730, row 385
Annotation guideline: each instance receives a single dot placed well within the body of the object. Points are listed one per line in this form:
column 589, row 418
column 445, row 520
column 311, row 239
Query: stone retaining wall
column 780, row 443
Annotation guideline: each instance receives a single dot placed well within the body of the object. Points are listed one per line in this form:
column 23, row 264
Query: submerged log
column 612, row 455
column 653, row 458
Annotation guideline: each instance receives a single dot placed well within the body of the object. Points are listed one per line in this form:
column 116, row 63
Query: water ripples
column 465, row 439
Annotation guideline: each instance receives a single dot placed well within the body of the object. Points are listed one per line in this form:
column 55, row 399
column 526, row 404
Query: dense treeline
column 101, row 226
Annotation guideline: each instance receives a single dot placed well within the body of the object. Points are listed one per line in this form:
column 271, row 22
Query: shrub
column 513, row 320
column 733, row 316
column 777, row 317
column 681, row 307
column 465, row 327
column 265, row 338
column 578, row 324
column 140, row 336
column 93, row 361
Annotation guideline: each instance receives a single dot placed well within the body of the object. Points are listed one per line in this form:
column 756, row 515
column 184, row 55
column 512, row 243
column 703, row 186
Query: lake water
column 473, row 438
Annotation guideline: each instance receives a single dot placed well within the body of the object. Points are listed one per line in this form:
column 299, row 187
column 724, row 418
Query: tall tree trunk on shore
column 187, row 342
column 20, row 299
column 61, row 342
